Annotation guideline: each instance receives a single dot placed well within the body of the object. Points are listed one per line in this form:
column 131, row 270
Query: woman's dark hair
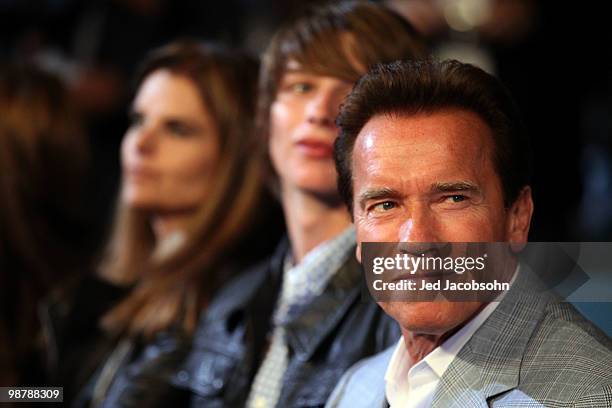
column 43, row 156
column 406, row 88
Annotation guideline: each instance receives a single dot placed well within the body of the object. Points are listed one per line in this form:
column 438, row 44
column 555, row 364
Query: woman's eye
column 301, row 87
column 179, row 129
column 384, row 206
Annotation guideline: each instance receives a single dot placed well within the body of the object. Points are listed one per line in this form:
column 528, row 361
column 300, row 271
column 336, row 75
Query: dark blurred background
column 553, row 56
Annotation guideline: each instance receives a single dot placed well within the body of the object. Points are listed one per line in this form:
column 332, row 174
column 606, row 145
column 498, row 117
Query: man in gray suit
column 435, row 152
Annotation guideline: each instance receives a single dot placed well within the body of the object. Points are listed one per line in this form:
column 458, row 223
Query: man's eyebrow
column 376, row 194
column 454, row 186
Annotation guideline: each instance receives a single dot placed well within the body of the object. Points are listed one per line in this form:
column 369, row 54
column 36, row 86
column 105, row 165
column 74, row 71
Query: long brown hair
column 171, row 292
column 43, row 155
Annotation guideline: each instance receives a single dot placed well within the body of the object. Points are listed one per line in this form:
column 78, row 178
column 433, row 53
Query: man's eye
column 384, row 206
column 456, row 198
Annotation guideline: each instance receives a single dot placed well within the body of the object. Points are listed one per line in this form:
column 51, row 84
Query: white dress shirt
column 414, row 387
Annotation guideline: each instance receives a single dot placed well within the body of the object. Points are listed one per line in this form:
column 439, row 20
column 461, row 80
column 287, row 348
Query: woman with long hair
column 43, row 243
column 191, row 188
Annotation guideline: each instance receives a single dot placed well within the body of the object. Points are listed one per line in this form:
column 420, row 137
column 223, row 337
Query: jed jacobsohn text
column 406, row 284
column 412, row 264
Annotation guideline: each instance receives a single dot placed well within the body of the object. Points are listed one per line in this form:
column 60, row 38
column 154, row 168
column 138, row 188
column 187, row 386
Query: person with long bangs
column 285, row 334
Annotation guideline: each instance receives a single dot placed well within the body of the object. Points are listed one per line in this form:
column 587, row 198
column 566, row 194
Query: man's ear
column 519, row 220
column 358, row 252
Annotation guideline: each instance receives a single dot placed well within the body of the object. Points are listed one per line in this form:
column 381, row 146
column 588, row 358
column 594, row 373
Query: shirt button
column 217, row 383
column 183, row 376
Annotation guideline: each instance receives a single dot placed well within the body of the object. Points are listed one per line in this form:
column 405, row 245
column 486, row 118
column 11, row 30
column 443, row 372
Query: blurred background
column 553, row 56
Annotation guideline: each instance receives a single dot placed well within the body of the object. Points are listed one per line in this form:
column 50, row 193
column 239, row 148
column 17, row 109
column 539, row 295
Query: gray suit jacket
column 533, row 351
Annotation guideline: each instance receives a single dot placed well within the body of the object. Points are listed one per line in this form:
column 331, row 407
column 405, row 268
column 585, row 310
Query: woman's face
column 172, row 147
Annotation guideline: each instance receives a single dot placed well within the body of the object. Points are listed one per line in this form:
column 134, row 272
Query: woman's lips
column 139, row 173
column 316, row 149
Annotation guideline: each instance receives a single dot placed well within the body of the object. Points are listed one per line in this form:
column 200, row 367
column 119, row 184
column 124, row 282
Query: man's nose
column 418, row 226
column 417, row 235
column 322, row 109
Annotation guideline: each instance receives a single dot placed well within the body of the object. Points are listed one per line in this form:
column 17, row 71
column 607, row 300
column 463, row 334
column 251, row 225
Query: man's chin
column 429, row 318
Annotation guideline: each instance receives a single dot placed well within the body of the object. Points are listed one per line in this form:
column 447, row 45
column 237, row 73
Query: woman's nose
column 322, row 109
column 145, row 139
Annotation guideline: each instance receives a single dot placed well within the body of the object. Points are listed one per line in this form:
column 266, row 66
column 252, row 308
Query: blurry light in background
column 466, row 15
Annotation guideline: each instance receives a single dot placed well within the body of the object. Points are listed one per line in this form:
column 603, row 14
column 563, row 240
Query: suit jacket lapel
column 489, row 363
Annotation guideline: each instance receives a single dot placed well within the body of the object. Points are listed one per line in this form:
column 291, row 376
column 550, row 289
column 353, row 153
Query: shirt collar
column 337, row 246
column 308, row 279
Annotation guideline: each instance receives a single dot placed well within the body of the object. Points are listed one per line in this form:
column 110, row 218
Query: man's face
column 430, row 178
column 303, row 130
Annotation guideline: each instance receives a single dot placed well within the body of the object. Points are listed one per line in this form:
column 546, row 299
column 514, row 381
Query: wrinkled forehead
column 441, row 147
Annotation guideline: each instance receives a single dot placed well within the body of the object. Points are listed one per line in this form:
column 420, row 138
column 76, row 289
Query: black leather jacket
column 142, row 377
column 79, row 349
column 337, row 329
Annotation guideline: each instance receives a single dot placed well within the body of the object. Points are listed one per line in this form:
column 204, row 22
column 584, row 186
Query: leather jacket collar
column 314, row 322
